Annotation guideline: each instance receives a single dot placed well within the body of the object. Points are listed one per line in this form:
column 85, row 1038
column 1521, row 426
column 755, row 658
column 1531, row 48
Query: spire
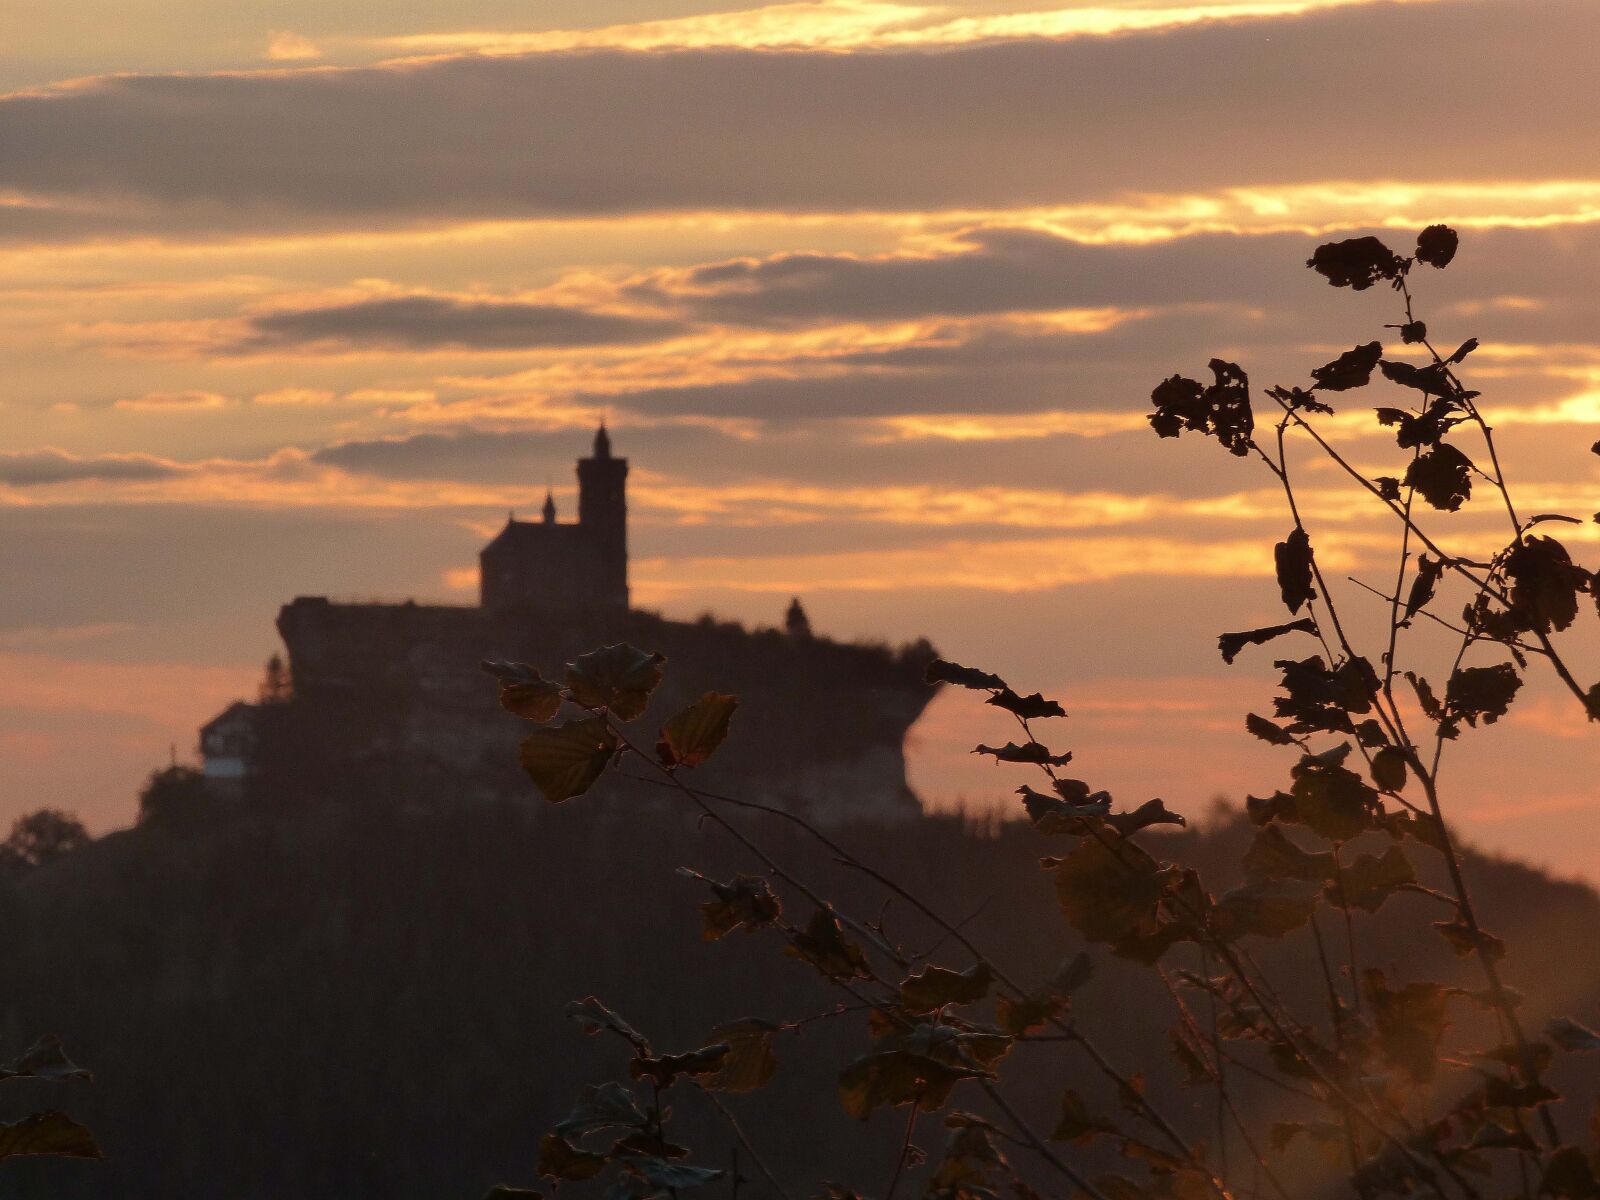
column 795, row 620
column 549, row 507
column 602, row 441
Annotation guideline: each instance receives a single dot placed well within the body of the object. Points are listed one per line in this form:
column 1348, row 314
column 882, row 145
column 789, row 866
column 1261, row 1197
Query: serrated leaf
column 566, row 760
column 663, row 1070
column 1356, row 263
column 750, row 1062
column 822, row 944
column 942, row 671
column 1352, row 369
column 1436, row 245
column 560, row 1159
column 1231, row 643
column 744, row 902
column 1029, row 752
column 1109, row 888
column 1442, row 475
column 1029, row 708
column 1481, row 693
column 660, row 1173
column 1371, row 879
column 593, row 1016
column 48, row 1132
column 604, row 1106
column 618, row 678
column 934, row 987
column 45, row 1059
column 1268, row 908
column 524, row 692
column 1273, row 855
column 689, row 738
column 1268, row 732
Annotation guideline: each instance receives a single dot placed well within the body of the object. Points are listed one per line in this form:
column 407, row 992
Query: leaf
column 1027, row 707
column 560, row 1159
column 1544, row 583
column 1436, row 245
column 660, row 1173
column 1412, row 332
column 1352, row 369
column 1221, row 410
column 822, row 944
column 1109, row 888
column 1031, row 752
column 1475, row 693
column 594, row 1017
column 1331, row 799
column 1389, row 768
column 895, row 1077
column 1442, row 475
column 565, row 761
column 1388, row 488
column 523, row 691
column 1461, row 351
column 663, row 1070
column 942, row 671
column 1269, row 908
column 48, row 1132
column 1410, row 1022
column 750, row 1062
column 1151, row 812
column 1422, row 587
column 1231, row 643
column 744, row 902
column 1274, row 856
column 45, row 1059
column 1077, row 1123
column 1569, row 1175
column 934, row 987
column 689, row 738
column 1356, row 263
column 1267, row 731
column 605, row 1106
column 1465, row 942
column 1371, row 879
column 1293, row 559
column 1570, row 1035
column 618, row 678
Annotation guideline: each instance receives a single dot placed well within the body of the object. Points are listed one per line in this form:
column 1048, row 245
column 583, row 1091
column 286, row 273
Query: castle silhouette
column 534, row 564
column 385, row 701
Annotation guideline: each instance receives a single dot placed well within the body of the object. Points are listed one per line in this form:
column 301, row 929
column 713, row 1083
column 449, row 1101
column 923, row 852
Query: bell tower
column 603, row 517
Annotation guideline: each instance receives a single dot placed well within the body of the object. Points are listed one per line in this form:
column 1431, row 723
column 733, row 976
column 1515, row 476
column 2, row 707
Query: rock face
column 390, row 697
column 387, row 700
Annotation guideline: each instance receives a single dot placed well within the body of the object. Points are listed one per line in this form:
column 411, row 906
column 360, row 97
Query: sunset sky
column 301, row 298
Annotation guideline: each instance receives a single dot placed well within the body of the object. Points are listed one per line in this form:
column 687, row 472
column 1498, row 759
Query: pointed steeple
column 602, row 441
column 549, row 507
column 795, row 621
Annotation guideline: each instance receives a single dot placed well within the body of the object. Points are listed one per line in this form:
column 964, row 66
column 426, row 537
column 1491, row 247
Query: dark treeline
column 366, row 1002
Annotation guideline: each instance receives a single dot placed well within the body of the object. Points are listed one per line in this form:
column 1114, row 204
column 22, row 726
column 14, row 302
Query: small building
column 228, row 745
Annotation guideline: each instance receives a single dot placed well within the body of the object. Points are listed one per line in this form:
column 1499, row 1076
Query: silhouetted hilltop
column 366, row 1002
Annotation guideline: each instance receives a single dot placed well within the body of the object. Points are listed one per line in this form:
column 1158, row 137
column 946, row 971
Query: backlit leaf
column 689, row 738
column 1027, row 707
column 1481, row 693
column 1570, row 1035
column 663, row 1070
column 1029, row 752
column 606, row 1106
column 1269, row 908
column 1371, row 879
column 524, row 692
column 1389, row 768
column 618, row 678
column 934, row 987
column 1109, row 888
column 744, row 902
column 593, row 1016
column 1231, row 643
column 1410, row 1022
column 1077, row 1123
column 564, row 761
column 822, row 944
column 1352, row 369
column 45, row 1059
column 560, row 1159
column 750, row 1061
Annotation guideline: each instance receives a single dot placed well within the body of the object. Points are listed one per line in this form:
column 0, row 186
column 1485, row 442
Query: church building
column 544, row 564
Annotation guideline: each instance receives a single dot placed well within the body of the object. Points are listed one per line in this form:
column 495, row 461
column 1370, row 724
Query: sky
column 300, row 298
